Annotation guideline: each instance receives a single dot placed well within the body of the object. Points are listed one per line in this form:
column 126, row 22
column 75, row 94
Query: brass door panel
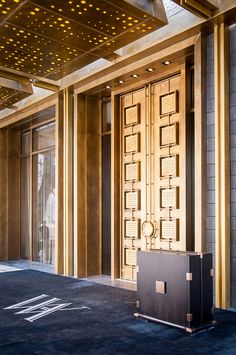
column 133, row 128
column 153, row 171
column 168, row 104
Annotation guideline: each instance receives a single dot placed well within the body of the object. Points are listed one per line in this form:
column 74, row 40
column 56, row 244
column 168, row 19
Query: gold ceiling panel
column 5, row 93
column 71, row 66
column 98, row 15
column 26, row 51
column 13, row 90
column 7, row 7
column 136, row 32
column 8, row 97
column 52, row 38
column 57, row 27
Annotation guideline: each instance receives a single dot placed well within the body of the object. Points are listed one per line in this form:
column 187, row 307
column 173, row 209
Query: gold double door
column 154, row 165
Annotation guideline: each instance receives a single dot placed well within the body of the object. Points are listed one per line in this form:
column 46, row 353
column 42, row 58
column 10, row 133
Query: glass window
column 44, row 137
column 38, row 204
column 44, row 207
column 25, row 208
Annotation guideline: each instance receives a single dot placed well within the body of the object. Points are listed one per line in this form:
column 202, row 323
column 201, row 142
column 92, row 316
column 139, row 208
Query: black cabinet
column 175, row 288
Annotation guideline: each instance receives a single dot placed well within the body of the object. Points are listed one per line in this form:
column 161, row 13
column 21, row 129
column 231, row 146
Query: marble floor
column 18, row 265
column 24, row 265
column 7, row 268
column 107, row 280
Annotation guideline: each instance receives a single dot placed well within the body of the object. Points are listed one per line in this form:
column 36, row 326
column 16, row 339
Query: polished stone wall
column 232, row 36
column 210, row 232
column 210, row 223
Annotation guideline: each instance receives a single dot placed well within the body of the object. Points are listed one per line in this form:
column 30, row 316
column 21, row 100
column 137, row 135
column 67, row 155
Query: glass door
column 44, row 207
column 38, row 194
column 25, row 196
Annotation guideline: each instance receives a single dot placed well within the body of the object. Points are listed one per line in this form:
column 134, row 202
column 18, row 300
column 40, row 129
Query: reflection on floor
column 25, row 265
column 107, row 280
column 18, row 265
column 7, row 268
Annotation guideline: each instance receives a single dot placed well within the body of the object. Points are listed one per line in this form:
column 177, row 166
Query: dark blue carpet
column 107, row 326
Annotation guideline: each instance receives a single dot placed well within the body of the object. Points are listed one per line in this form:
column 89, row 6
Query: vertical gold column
column 222, row 166
column 115, row 188
column 80, row 187
column 13, row 194
column 199, row 141
column 59, row 240
column 3, row 195
column 87, row 187
column 68, row 181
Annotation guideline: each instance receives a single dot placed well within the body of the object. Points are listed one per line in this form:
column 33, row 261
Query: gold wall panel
column 168, row 103
column 132, row 200
column 132, row 228
column 132, row 171
column 130, row 257
column 132, row 115
column 169, row 198
column 168, row 135
column 169, row 166
column 132, row 143
column 169, row 229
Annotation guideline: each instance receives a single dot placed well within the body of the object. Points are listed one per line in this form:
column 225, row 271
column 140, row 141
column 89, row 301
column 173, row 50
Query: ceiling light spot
column 167, row 62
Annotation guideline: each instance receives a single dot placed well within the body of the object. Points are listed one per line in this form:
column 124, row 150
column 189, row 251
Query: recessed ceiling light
column 108, row 87
column 150, row 69
column 167, row 62
column 134, row 76
column 121, row 81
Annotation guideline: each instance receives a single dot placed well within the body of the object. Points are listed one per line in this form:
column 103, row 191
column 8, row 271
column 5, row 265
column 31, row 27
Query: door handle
column 149, row 229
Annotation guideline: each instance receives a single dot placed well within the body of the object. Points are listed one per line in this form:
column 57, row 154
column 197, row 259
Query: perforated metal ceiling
column 52, row 38
column 8, row 97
